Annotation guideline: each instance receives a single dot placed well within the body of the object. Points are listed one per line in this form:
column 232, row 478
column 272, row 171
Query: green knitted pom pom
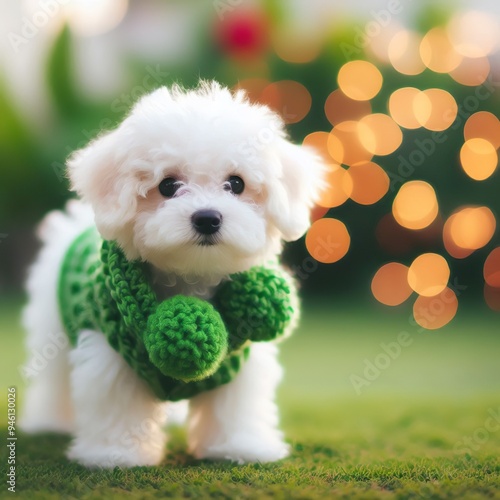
column 255, row 305
column 186, row 338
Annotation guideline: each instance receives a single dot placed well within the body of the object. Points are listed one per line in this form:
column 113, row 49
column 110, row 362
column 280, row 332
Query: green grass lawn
column 423, row 427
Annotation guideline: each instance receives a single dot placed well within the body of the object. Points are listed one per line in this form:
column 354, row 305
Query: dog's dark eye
column 168, row 187
column 235, row 184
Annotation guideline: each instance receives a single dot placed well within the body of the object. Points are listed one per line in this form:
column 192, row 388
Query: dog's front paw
column 186, row 338
column 103, row 456
column 255, row 305
column 245, row 448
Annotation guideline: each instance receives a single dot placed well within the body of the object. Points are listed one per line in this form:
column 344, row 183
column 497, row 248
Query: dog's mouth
column 207, row 241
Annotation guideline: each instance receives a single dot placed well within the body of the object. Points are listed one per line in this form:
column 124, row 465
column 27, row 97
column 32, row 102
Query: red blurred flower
column 243, row 34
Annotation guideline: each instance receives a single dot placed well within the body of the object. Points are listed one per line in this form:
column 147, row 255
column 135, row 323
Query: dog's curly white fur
column 200, row 138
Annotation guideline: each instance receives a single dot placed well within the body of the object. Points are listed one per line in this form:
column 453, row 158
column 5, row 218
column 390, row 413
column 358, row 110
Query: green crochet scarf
column 183, row 345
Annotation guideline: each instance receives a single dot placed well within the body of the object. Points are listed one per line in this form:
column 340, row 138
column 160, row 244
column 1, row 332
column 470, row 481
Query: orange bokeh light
column 370, row 183
column 319, row 141
column 378, row 46
column 340, row 108
column 415, row 206
column 471, row 71
column 483, row 125
column 253, row 87
column 437, row 51
column 318, row 212
column 435, row 109
column 428, row 274
column 491, row 270
column 288, row 98
column 435, row 312
column 339, row 187
column 404, row 53
column 390, row 284
column 449, row 244
column 473, row 227
column 401, row 107
column 492, row 297
column 345, row 146
column 379, row 134
column 360, row 80
column 479, row 158
column 328, row 240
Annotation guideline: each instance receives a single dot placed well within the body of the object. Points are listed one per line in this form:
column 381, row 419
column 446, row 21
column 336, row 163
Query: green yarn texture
column 256, row 305
column 183, row 345
column 186, row 338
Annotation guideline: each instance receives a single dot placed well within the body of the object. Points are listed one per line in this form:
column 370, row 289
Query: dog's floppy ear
column 98, row 173
column 292, row 195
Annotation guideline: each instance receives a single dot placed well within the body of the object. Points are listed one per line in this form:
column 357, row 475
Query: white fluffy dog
column 178, row 154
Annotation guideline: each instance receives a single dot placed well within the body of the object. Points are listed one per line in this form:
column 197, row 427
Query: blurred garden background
column 402, row 100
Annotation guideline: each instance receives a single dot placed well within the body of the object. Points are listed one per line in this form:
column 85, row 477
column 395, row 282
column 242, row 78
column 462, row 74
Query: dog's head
column 198, row 182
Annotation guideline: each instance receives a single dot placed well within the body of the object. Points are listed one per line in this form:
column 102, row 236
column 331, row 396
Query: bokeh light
column 94, row 18
column 243, row 34
column 369, row 182
column 328, row 240
column 473, row 33
column 449, row 243
column 296, row 46
column 435, row 312
column 472, row 228
column 437, row 51
column 415, row 206
column 360, row 80
column 404, row 53
column 288, row 98
column 483, row 125
column 471, row 71
column 478, row 158
column 340, row 108
column 428, row 274
column 339, row 187
column 318, row 212
column 378, row 46
column 344, row 144
column 253, row 87
column 435, row 109
column 401, row 107
column 319, row 141
column 491, row 270
column 390, row 284
column 379, row 134
column 492, row 297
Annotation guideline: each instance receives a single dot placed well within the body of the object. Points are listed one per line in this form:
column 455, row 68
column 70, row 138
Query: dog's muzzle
column 206, row 222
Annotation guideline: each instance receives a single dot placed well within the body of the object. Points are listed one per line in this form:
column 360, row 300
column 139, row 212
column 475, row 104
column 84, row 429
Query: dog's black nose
column 207, row 221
